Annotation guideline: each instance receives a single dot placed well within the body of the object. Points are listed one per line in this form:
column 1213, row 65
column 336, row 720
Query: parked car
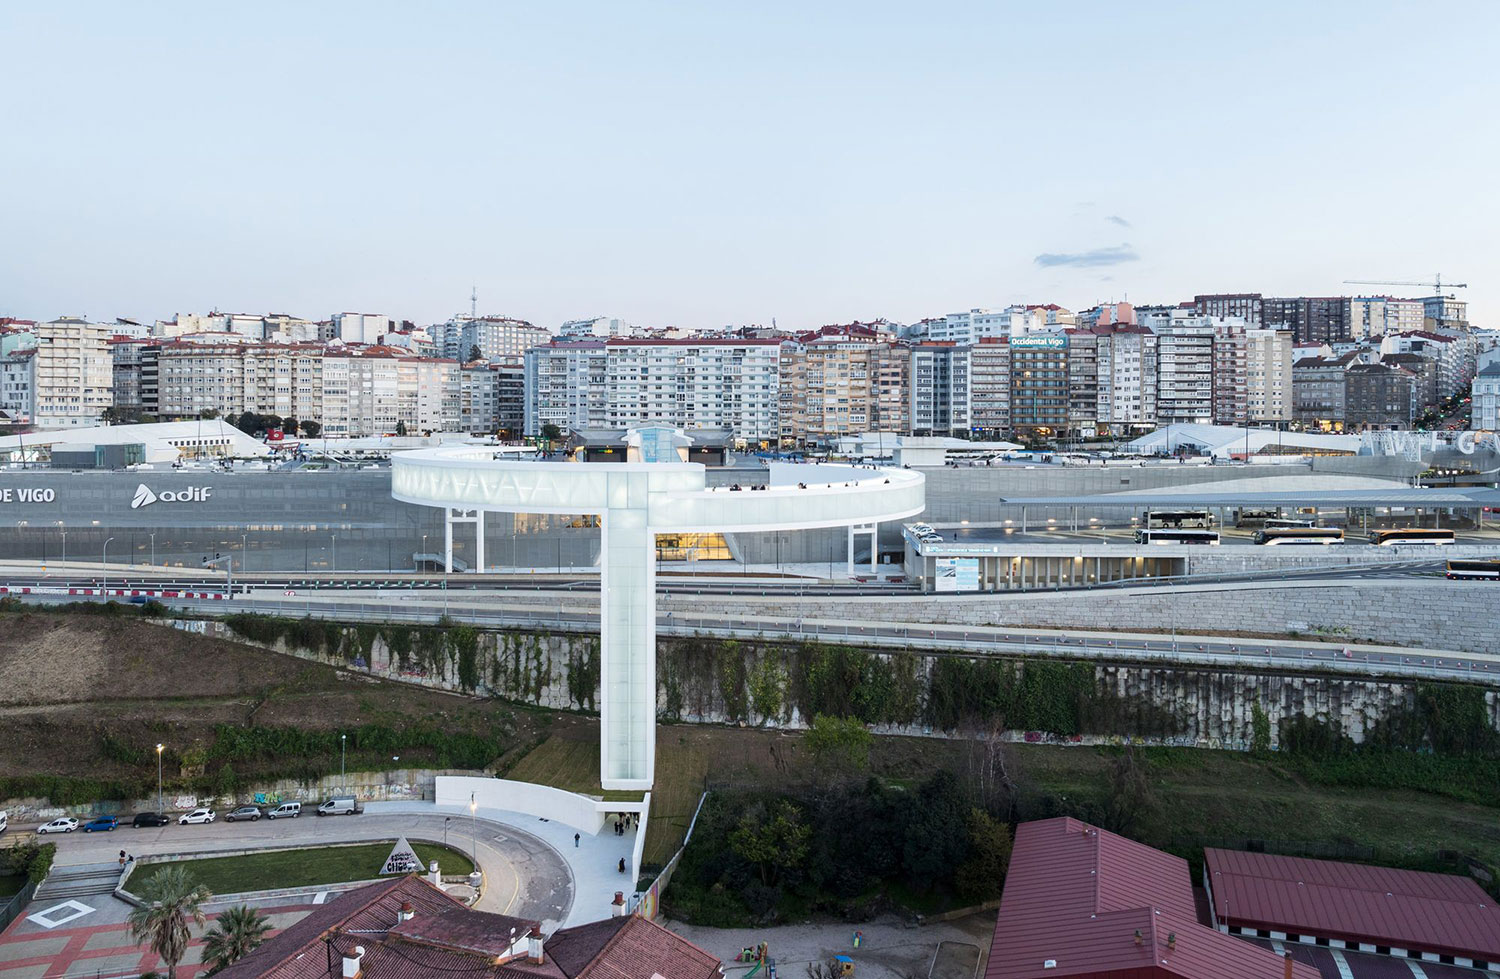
column 149, row 819
column 66, row 824
column 287, row 810
column 196, row 816
column 341, row 805
column 251, row 813
column 101, row 824
column 4, row 820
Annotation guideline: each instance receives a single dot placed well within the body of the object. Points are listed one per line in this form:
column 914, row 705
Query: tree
column 550, row 433
column 982, row 876
column 173, row 902
column 289, row 426
column 400, row 428
column 838, row 743
column 208, row 413
column 311, row 428
column 992, row 772
column 774, row 841
column 474, row 353
column 937, row 837
column 235, row 933
column 1131, row 798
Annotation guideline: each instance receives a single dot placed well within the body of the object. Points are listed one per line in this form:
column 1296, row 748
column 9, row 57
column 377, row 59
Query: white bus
column 1176, row 536
column 1410, row 535
column 1300, row 535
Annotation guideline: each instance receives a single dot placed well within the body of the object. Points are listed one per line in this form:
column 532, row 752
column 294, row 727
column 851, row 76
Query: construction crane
column 1436, row 284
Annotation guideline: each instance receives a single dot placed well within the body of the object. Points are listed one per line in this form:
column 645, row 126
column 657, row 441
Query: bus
column 1276, row 523
column 1474, row 570
column 1177, row 518
column 1410, row 535
column 1176, row 536
column 1300, row 534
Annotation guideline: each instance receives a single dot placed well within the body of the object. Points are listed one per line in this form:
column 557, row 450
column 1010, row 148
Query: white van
column 341, row 805
column 287, row 810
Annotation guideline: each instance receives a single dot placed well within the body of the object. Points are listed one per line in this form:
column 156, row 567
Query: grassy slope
column 304, row 868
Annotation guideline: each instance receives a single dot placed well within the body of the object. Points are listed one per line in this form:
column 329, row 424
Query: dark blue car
column 100, row 824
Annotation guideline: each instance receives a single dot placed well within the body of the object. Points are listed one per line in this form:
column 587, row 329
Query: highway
column 721, row 622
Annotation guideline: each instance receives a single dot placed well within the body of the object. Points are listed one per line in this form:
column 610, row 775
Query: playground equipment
column 842, row 965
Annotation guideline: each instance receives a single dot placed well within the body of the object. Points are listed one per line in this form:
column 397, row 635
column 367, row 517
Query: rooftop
column 1439, row 913
column 1082, row 901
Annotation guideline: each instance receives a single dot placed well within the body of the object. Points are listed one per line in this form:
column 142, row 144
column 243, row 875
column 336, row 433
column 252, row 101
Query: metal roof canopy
column 1333, row 499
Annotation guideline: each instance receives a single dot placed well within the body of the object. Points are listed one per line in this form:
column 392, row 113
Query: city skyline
column 708, row 167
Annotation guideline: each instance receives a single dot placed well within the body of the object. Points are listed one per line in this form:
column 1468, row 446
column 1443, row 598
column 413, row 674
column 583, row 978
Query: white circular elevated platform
column 636, row 501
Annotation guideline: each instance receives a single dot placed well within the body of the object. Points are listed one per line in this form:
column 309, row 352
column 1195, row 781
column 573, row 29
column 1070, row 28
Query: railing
column 13, row 908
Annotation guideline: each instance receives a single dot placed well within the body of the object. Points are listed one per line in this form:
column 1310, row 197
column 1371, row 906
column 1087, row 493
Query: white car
column 196, row 816
column 67, row 824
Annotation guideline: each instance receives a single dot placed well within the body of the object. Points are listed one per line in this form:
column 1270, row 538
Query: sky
column 708, row 164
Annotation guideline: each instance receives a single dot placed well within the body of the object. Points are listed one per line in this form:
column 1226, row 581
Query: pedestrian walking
column 575, row 841
column 122, row 859
column 622, row 865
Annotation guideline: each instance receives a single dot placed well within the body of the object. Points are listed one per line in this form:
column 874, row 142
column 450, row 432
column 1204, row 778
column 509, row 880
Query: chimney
column 1286, row 971
column 434, row 875
column 351, row 962
column 1172, row 940
column 1137, row 936
column 617, row 908
column 406, row 913
column 534, row 945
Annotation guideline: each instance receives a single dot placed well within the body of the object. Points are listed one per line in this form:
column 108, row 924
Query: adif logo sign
column 193, row 494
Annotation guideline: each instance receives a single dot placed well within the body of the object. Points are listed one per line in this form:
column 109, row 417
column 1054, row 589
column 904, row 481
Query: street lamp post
column 343, row 744
column 473, row 832
column 104, row 562
column 446, row 821
column 242, row 552
column 153, row 550
column 159, row 748
column 64, row 533
column 334, row 558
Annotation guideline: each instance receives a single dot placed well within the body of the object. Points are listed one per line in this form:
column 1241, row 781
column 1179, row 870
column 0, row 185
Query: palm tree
column 235, row 933
column 173, row 902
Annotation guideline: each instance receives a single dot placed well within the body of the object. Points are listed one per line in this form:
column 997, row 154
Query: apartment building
column 1231, row 387
column 1424, row 372
column 74, row 382
column 843, row 380
column 701, row 383
column 1268, row 376
column 1246, row 306
column 181, row 379
column 18, row 386
column 1319, row 391
column 989, row 387
column 494, row 337
column 1039, row 385
column 1184, row 365
column 125, row 371
column 1083, row 380
column 1373, row 316
column 940, row 386
column 1377, row 397
column 1311, row 319
column 1452, row 351
column 492, row 399
column 382, row 390
column 1127, row 378
column 1486, row 403
column 364, row 328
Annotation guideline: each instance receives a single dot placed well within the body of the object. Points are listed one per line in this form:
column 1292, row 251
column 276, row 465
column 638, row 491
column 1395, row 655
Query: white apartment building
column 597, row 328
column 380, row 391
column 989, row 386
column 939, row 385
column 1127, row 378
column 1185, row 365
column 1373, row 316
column 1486, row 403
column 74, row 381
column 181, row 379
column 361, row 327
column 969, row 328
column 496, row 337
column 1268, row 375
column 699, row 383
column 18, row 386
column 1454, row 352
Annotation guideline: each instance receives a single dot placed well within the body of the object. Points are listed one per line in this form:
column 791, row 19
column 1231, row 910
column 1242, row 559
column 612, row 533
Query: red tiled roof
column 298, row 952
column 1075, row 897
column 480, row 932
column 1441, row 913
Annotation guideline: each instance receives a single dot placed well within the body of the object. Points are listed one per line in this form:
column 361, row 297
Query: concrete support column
column 448, row 540
column 627, row 649
column 478, row 542
column 849, row 540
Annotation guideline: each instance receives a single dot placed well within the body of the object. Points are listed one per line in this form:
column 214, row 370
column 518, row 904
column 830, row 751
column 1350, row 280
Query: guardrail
column 13, row 908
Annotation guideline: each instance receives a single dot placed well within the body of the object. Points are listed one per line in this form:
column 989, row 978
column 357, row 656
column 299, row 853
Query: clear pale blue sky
column 713, row 163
